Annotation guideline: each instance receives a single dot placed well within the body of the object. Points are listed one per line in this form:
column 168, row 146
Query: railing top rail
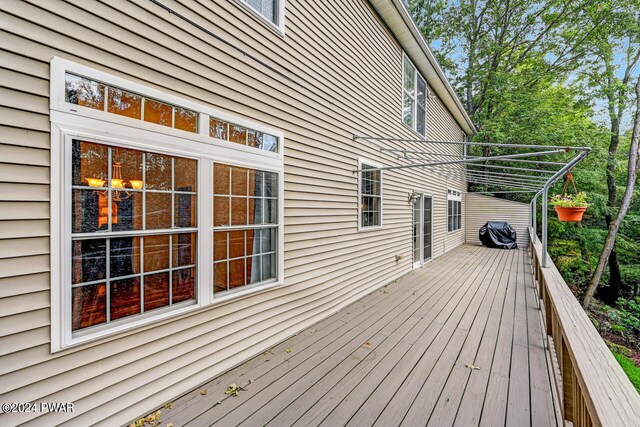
column 611, row 398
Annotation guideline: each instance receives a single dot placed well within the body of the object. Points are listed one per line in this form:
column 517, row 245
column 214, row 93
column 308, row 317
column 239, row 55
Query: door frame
column 422, row 261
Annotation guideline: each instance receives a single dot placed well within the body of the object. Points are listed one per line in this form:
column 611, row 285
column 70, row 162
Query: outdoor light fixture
column 117, row 182
column 413, row 196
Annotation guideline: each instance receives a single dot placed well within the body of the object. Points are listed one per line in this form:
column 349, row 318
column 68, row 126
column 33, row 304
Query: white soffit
column 399, row 21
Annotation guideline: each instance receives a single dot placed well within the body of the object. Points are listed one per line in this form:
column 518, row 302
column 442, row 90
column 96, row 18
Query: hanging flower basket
column 570, row 207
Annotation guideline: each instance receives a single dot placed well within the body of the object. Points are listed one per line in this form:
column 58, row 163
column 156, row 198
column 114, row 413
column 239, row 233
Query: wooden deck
column 457, row 342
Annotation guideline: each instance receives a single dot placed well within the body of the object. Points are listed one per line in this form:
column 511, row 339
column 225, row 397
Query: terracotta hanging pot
column 570, row 214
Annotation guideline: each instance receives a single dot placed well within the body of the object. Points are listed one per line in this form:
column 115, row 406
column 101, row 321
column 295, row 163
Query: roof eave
column 400, row 22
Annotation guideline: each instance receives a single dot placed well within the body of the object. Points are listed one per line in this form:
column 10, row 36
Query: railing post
column 545, row 201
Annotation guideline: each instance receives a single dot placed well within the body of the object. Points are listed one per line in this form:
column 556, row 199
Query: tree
column 616, row 51
column 633, row 165
column 481, row 43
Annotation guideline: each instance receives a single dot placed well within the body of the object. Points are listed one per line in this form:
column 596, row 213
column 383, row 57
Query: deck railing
column 592, row 388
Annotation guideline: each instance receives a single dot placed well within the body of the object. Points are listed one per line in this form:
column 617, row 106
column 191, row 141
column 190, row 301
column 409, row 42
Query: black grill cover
column 498, row 234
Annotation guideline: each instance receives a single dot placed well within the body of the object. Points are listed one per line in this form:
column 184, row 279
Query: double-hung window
column 370, row 196
column 454, row 210
column 414, row 97
column 160, row 206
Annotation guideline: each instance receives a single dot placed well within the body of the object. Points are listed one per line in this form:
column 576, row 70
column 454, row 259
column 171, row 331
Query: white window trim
column 414, row 113
column 364, row 161
column 456, row 198
column 69, row 121
column 423, row 262
column 277, row 28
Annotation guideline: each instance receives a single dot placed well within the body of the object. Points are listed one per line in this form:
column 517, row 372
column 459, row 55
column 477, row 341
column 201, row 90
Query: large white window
column 454, row 210
column 369, row 195
column 414, row 97
column 159, row 206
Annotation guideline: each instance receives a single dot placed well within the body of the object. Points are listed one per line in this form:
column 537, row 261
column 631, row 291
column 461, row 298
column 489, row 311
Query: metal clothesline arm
column 512, row 168
column 479, row 144
column 474, row 159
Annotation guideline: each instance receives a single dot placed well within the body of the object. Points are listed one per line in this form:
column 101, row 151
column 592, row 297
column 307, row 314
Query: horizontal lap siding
column 346, row 82
column 481, row 209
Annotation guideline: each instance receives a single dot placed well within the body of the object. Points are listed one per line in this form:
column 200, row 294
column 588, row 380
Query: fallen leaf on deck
column 367, row 343
column 470, row 366
column 250, row 381
column 288, row 350
column 203, row 392
column 168, row 405
column 233, row 389
column 170, row 425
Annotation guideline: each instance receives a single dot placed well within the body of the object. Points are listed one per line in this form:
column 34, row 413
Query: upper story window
column 271, row 11
column 454, row 210
column 149, row 221
column 414, row 97
column 370, row 195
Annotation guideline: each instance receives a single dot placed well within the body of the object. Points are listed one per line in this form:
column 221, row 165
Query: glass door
column 422, row 229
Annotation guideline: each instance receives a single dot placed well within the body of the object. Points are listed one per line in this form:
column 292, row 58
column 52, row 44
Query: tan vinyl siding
column 481, row 209
column 348, row 81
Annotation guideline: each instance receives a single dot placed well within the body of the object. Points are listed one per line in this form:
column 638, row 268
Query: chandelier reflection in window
column 119, row 193
column 117, row 183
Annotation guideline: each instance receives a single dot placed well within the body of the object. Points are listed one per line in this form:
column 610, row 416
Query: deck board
column 402, row 355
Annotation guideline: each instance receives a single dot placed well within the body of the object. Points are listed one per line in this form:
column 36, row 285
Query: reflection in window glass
column 248, row 198
column 157, row 112
column 91, row 94
column 241, row 135
column 124, row 103
column 116, row 277
column 84, row 92
column 185, row 120
column 218, row 129
column 237, row 134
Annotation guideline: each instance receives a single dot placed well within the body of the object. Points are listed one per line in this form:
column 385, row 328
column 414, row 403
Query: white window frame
column 278, row 26
column 363, row 161
column 455, row 196
column 414, row 112
column 70, row 121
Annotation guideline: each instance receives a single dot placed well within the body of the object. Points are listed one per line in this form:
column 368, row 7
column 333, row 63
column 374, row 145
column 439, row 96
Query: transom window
column 414, row 97
column 134, row 232
column 99, row 96
column 237, row 134
column 454, row 210
column 370, row 204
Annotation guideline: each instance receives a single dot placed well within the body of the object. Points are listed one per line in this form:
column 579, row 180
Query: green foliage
column 629, row 368
column 578, row 200
column 628, row 315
